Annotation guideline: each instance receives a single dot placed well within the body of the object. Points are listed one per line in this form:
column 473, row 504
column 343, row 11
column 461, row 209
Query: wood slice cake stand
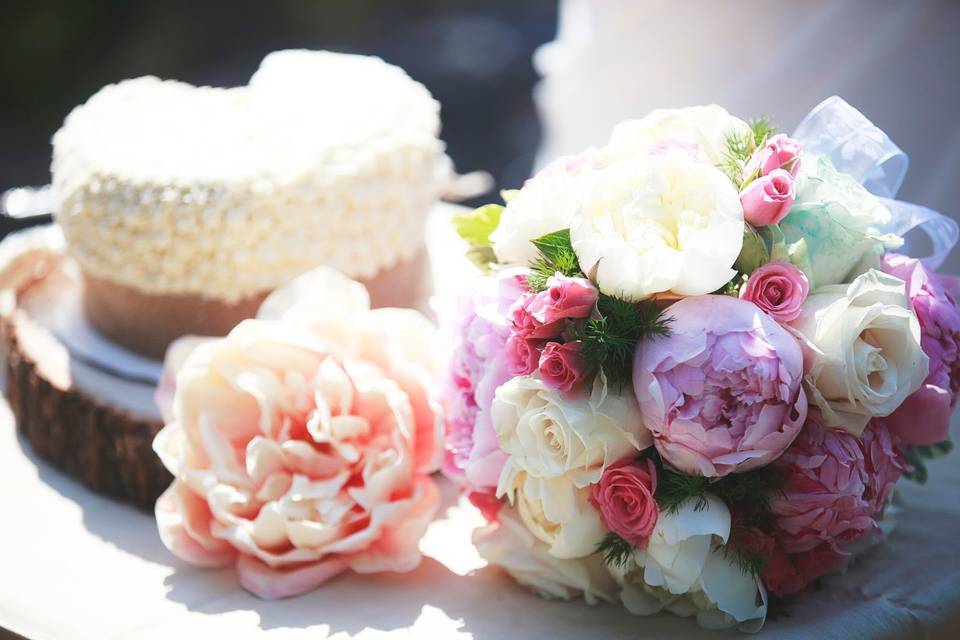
column 83, row 403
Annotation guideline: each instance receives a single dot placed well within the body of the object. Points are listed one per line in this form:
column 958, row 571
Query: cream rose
column 707, row 127
column 546, row 203
column 509, row 544
column 558, row 513
column 551, row 435
column 862, row 352
column 658, row 223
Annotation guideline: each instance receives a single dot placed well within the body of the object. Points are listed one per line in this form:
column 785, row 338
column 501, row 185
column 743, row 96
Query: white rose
column 707, row 126
column 683, row 572
column 659, row 223
column 550, row 435
column 509, row 544
column 862, row 349
column 545, row 204
column 558, row 513
column 839, row 223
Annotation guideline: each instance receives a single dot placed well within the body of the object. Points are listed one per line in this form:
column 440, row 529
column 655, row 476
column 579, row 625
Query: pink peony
column 561, row 365
column 624, row 498
column 778, row 288
column 479, row 365
column 780, row 152
column 673, row 145
column 564, row 298
column 301, row 445
column 834, row 485
column 767, row 200
column 722, row 393
column 924, row 417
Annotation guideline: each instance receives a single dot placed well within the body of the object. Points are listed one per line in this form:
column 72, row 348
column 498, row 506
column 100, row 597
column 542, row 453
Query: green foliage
column 740, row 146
column 749, row 494
column 754, row 253
column 749, row 563
column 610, row 340
column 475, row 228
column 673, row 489
column 762, row 129
column 919, row 455
column 556, row 255
column 616, row 551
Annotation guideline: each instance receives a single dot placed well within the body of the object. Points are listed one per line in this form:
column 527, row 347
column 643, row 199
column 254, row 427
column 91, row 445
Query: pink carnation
column 778, row 288
column 561, row 365
column 722, row 393
column 835, row 485
column 624, row 498
column 924, row 417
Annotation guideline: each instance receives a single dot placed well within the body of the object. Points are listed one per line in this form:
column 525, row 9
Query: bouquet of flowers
column 698, row 362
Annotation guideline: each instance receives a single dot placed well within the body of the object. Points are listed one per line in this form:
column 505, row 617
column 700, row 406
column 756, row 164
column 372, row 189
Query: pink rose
column 778, row 288
column 564, row 298
column 624, row 498
column 301, row 444
column 561, row 365
column 924, row 417
column 834, row 485
column 767, row 200
column 780, row 152
column 722, row 393
column 523, row 355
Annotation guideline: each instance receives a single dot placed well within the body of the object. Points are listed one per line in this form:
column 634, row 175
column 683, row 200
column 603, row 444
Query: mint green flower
column 836, row 223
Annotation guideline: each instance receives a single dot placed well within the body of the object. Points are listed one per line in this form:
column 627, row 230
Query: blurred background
column 474, row 56
column 508, row 103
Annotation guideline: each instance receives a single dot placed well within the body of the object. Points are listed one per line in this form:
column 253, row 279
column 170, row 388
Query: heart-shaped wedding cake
column 185, row 206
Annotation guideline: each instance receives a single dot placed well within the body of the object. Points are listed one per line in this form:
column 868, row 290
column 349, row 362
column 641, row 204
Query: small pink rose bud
column 780, row 152
column 767, row 200
column 561, row 365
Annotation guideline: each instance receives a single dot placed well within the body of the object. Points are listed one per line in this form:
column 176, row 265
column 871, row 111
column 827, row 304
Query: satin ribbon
column 861, row 149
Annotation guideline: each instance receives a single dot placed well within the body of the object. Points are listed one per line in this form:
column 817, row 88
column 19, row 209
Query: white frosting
column 323, row 158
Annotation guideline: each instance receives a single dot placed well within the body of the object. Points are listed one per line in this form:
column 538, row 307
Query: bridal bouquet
column 699, row 361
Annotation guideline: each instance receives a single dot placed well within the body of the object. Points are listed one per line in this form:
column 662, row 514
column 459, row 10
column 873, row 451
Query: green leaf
column 754, row 253
column 476, row 226
column 556, row 255
column 763, row 130
column 482, row 257
column 554, row 245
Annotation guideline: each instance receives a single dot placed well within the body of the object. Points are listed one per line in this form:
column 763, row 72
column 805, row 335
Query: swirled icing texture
column 323, row 158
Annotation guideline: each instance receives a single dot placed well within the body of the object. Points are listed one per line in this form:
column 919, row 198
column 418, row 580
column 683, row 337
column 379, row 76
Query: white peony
column 551, row 435
column 545, row 204
column 708, row 127
column 862, row 349
column 558, row 513
column 659, row 223
column 509, row 544
column 683, row 572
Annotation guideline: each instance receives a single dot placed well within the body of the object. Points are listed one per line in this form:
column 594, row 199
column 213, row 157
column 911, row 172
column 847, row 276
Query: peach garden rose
column 301, row 442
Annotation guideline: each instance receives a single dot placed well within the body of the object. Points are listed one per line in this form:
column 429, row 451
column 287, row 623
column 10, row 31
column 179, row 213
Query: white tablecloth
column 76, row 565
